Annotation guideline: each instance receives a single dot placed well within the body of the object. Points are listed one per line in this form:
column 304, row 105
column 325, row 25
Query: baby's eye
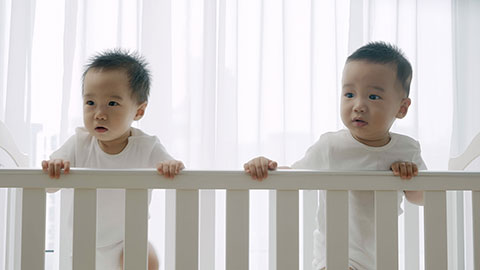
column 374, row 97
column 348, row 95
column 113, row 103
column 90, row 103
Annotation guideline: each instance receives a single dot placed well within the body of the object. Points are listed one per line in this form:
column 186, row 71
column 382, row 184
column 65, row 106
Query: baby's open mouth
column 101, row 129
column 359, row 122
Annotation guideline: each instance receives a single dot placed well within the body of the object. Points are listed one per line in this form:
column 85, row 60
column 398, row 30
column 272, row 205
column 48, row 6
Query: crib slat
column 476, row 228
column 207, row 229
column 84, row 228
column 136, row 228
column 237, row 229
column 186, row 247
column 412, row 236
column 33, row 228
column 386, row 228
column 287, row 229
column 309, row 206
column 435, row 223
column 337, row 229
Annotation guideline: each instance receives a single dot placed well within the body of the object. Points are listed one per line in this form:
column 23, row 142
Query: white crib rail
column 237, row 184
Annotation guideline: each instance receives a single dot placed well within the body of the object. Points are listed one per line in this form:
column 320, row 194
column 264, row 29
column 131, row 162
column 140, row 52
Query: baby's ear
column 140, row 111
column 405, row 103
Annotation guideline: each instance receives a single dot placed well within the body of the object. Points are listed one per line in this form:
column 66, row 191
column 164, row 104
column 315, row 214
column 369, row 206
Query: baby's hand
column 170, row 168
column 404, row 169
column 258, row 167
column 54, row 166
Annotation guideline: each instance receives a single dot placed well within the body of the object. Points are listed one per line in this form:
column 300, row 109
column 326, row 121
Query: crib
column 286, row 186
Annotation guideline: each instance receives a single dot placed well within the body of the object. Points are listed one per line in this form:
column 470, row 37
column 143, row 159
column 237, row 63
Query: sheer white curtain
column 235, row 79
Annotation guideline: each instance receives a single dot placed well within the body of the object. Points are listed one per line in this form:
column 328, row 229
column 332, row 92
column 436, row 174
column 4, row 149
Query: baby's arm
column 170, row 168
column 406, row 170
column 258, row 167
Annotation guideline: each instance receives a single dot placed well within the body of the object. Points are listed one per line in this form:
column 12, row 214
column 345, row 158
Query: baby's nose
column 100, row 115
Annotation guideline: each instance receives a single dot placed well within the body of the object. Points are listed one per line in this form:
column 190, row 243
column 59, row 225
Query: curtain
column 236, row 79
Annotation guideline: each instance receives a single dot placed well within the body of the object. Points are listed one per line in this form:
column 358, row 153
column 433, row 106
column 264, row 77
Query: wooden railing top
column 280, row 180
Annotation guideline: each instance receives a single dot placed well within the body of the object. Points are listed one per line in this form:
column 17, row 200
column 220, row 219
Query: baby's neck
column 115, row 146
column 374, row 143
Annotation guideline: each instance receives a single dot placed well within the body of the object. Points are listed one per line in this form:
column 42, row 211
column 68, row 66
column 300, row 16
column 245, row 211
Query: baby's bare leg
column 153, row 263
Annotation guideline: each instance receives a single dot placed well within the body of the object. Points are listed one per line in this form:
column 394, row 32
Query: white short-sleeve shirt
column 82, row 150
column 340, row 151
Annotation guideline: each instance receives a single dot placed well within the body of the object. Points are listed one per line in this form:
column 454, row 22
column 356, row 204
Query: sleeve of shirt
column 66, row 151
column 417, row 159
column 159, row 153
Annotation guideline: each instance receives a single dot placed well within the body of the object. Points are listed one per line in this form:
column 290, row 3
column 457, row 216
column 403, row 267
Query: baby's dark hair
column 134, row 65
column 383, row 53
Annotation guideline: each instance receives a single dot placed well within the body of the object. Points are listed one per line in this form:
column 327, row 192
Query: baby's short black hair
column 383, row 53
column 134, row 65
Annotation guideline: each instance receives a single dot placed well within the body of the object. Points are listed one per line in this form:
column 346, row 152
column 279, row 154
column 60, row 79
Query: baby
column 116, row 86
column 375, row 88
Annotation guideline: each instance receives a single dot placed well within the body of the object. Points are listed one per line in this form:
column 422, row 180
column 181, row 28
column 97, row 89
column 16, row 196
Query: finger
column 172, row 170
column 58, row 168
column 66, row 167
column 264, row 163
column 259, row 168
column 415, row 170
column 51, row 169
column 166, row 171
column 272, row 165
column 409, row 170
column 403, row 170
column 45, row 166
column 160, row 168
column 253, row 170
column 395, row 168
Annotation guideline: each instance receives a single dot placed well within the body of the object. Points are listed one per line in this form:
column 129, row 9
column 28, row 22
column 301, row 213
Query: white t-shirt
column 340, row 151
column 82, row 150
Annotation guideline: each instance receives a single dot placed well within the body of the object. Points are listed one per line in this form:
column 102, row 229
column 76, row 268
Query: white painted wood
column 14, row 230
column 287, row 230
column 309, row 206
column 435, row 230
column 3, row 226
column 236, row 180
column 170, row 216
column 84, row 228
column 386, row 229
column 476, row 228
column 337, row 229
column 412, row 236
column 136, row 229
column 33, row 228
column 65, row 234
column 207, row 229
column 272, row 230
column 237, row 229
column 455, row 230
column 186, row 250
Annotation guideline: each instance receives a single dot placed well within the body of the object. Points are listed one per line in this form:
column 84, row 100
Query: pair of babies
column 375, row 88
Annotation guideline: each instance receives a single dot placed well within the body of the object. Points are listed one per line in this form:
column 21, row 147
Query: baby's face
column 108, row 106
column 372, row 98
